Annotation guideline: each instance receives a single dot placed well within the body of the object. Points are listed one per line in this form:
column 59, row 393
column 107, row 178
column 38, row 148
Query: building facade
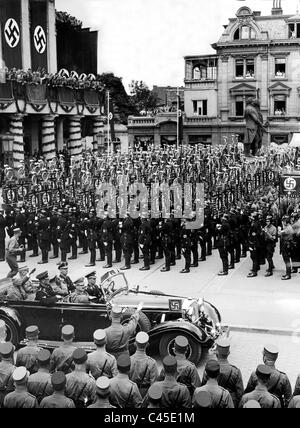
column 33, row 119
column 255, row 56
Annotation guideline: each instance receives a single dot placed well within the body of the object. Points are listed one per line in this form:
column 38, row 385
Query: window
column 244, row 33
column 206, row 70
column 200, row 108
column 244, row 69
column 279, row 105
column 239, row 106
column 280, row 64
column 200, row 139
column 294, row 31
column 196, row 73
column 280, row 138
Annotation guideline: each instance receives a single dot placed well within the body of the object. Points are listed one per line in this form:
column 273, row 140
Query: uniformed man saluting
column 6, row 370
column 117, row 335
column 278, row 383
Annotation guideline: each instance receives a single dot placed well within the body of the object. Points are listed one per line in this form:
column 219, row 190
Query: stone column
column 48, row 137
column 98, row 126
column 75, row 138
column 16, row 130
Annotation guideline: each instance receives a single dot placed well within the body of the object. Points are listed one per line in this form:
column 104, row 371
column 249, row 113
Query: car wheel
column 12, row 334
column 167, row 344
column 144, row 323
column 159, row 293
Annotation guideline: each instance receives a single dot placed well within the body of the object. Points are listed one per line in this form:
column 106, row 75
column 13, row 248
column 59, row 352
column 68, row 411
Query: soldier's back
column 102, row 364
column 39, row 385
column 62, row 358
column 57, row 401
column 27, row 357
column 20, row 400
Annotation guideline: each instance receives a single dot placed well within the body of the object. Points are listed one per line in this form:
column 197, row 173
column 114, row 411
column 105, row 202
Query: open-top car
column 163, row 317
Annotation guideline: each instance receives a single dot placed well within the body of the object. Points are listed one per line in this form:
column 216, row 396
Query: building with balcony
column 40, row 119
column 255, row 56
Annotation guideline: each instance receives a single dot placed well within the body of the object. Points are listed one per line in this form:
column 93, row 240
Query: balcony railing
column 200, row 119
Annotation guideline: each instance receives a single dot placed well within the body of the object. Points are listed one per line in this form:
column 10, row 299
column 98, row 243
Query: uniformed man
column 93, row 290
column 32, row 234
column 92, row 239
column 175, row 395
column 154, row 396
column 63, row 284
column 101, row 363
column 230, row 376
column 261, row 393
column 117, row 232
column 297, row 387
column 117, row 335
column 27, row 356
column 123, row 392
column 62, row 357
column 12, row 250
column 73, row 233
column 39, row 384
column 44, row 236
column 107, row 238
column 102, row 394
column 295, row 402
column 20, row 222
column 2, row 235
column 80, row 387
column 270, row 232
column 6, row 370
column 202, row 400
column 57, row 400
column 143, row 369
column 62, row 235
column 80, row 295
column 45, row 293
column 255, row 234
column 187, row 372
column 222, row 243
column 186, row 245
column 221, row 398
column 54, row 234
column 144, row 239
column 286, row 244
column 20, row 398
column 252, row 404
column 278, row 384
column 127, row 241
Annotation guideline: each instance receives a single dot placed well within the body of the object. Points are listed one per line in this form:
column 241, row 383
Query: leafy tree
column 121, row 100
column 141, row 96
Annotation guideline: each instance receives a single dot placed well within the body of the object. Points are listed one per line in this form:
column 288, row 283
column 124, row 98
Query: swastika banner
column 38, row 34
column 290, row 184
column 11, row 36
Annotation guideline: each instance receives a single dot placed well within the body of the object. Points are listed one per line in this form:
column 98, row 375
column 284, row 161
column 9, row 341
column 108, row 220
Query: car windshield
column 112, row 282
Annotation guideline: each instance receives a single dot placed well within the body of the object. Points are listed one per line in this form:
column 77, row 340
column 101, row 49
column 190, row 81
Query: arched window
column 236, row 35
column 196, row 73
column 244, row 33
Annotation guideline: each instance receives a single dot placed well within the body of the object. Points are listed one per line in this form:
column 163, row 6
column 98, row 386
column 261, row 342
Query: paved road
column 260, row 302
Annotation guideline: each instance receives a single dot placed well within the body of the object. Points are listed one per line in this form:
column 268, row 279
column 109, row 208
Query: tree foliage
column 141, row 96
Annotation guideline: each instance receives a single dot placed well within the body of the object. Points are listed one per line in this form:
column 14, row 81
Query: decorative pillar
column 98, row 126
column 16, row 130
column 75, row 137
column 48, row 137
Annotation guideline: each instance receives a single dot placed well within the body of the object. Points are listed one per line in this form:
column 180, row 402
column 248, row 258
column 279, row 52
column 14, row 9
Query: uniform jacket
column 143, row 371
column 27, row 357
column 221, row 398
column 117, row 335
column 23, row 400
column 62, row 358
column 39, row 384
column 124, row 393
column 175, row 395
column 57, row 401
column 101, row 363
column 80, row 387
column 265, row 399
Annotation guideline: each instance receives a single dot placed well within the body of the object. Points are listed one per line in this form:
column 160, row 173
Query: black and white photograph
column 150, row 207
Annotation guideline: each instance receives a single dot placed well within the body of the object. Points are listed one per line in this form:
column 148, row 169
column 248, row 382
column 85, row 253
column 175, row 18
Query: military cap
column 79, row 282
column 123, row 362
column 20, row 374
column 263, row 371
column 17, row 230
column 91, row 275
column 223, row 345
column 271, row 351
column 6, row 349
column 32, row 331
column 155, row 393
column 58, row 381
column 181, row 343
column 67, row 332
column 99, row 337
column 170, row 364
column 252, row 404
column 42, row 276
column 116, row 312
column 102, row 385
column 43, row 357
column 203, row 399
column 142, row 338
column 79, row 356
column 212, row 368
column 63, row 265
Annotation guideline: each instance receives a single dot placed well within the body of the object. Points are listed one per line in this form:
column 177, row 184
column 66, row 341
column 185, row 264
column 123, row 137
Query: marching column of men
column 235, row 233
column 69, row 377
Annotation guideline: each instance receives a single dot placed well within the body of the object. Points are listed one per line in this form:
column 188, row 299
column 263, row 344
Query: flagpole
column 108, row 124
column 177, row 118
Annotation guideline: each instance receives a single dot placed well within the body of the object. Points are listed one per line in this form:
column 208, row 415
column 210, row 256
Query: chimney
column 277, row 9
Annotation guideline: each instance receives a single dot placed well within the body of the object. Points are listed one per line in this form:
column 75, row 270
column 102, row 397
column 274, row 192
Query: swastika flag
column 38, row 34
column 11, row 33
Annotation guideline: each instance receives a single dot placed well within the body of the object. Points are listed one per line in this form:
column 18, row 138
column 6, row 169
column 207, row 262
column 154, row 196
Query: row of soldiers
column 109, row 377
column 235, row 232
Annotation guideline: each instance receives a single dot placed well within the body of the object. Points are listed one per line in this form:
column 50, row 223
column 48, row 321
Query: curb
column 248, row 329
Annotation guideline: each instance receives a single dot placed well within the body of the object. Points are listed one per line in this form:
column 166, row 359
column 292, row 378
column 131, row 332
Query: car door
column 86, row 318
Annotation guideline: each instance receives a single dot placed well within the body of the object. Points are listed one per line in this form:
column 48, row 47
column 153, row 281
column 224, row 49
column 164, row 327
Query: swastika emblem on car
column 40, row 41
column 12, row 33
column 290, row 183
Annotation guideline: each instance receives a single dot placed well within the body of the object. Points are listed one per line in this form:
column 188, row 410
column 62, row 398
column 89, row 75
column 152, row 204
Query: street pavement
column 263, row 303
